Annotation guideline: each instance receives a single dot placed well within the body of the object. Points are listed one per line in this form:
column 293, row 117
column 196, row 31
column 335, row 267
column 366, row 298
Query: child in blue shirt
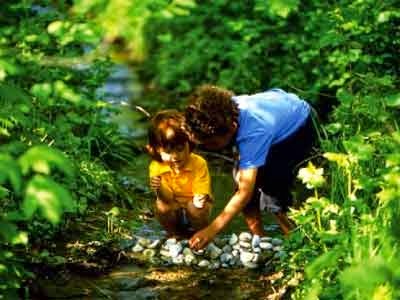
column 272, row 133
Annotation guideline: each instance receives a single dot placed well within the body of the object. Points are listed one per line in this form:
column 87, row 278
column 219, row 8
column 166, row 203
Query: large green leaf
column 42, row 158
column 47, row 196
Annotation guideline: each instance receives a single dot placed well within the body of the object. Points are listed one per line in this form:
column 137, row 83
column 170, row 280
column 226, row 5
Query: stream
column 136, row 279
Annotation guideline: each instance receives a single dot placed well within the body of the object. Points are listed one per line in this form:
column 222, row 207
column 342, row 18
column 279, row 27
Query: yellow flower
column 311, row 176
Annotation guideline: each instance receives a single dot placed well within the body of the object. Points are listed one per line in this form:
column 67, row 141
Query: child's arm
column 162, row 191
column 247, row 180
column 201, row 184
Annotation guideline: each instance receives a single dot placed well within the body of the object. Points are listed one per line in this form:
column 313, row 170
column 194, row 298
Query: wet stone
column 245, row 236
column 234, row 239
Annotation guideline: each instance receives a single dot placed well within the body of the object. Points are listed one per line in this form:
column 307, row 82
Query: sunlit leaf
column 46, row 195
column 393, row 100
column 340, row 158
column 42, row 90
column 114, row 211
column 20, row 238
column 55, row 27
column 358, row 147
column 41, row 158
column 282, row 8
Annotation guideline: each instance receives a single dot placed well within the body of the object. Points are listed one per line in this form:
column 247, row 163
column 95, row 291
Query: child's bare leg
column 168, row 215
column 252, row 216
column 198, row 217
column 284, row 223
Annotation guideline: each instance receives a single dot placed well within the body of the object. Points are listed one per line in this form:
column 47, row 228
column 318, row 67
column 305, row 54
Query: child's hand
column 155, row 183
column 199, row 200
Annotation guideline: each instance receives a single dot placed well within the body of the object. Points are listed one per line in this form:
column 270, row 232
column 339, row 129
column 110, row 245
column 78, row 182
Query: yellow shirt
column 194, row 179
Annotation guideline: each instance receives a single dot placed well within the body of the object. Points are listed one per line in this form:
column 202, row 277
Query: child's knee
column 199, row 213
column 163, row 207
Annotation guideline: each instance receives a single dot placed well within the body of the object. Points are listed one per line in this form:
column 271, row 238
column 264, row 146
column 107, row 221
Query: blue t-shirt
column 266, row 119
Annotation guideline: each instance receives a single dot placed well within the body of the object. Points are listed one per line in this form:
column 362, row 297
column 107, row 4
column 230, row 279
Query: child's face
column 216, row 143
column 177, row 158
column 219, row 142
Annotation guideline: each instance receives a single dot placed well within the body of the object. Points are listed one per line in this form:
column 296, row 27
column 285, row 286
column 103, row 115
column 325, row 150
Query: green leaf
column 282, row 8
column 9, row 169
column 358, row 147
column 393, row 100
column 323, row 262
column 7, row 231
column 12, row 94
column 48, row 196
column 41, row 158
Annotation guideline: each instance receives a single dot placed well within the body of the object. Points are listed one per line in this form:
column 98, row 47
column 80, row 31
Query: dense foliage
column 57, row 152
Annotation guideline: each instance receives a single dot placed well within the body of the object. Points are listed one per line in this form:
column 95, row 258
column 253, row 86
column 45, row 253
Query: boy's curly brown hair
column 210, row 112
column 167, row 131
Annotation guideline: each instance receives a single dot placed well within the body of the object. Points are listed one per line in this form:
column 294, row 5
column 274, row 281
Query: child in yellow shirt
column 179, row 177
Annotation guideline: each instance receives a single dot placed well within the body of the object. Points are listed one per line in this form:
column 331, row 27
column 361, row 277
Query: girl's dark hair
column 167, row 131
column 210, row 112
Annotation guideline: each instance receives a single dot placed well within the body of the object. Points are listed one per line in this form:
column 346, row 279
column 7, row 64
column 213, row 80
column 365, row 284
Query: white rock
column 245, row 236
column 187, row 251
column 171, row 241
column 137, row 248
column 213, row 251
column 266, row 245
column 204, row 263
column 178, row 260
column 153, row 244
column 277, row 248
column 246, row 256
column 190, row 259
column 165, row 253
column 257, row 250
column 227, row 249
column 175, row 250
column 245, row 244
column 234, row 239
column 236, row 246
column 226, row 258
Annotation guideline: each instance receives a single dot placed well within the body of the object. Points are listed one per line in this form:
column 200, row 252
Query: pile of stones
column 245, row 249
